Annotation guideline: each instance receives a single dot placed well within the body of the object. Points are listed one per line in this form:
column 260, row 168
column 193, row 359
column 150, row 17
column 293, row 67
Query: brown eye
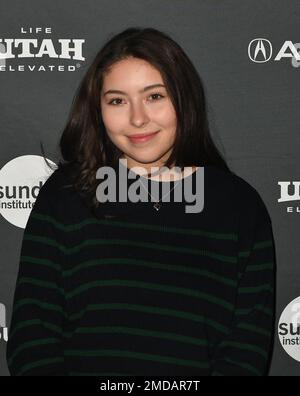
column 111, row 102
column 157, row 94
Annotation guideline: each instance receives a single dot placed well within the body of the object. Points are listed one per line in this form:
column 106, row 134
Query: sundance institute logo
column 3, row 326
column 20, row 182
column 289, row 329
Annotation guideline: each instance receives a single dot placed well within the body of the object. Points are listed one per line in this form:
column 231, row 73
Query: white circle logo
column 20, row 183
column 260, row 50
column 289, row 329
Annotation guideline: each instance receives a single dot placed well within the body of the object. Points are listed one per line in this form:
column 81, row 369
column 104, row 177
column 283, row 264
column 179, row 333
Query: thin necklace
column 157, row 204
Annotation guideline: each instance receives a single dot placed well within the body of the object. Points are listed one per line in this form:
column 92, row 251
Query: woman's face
column 137, row 108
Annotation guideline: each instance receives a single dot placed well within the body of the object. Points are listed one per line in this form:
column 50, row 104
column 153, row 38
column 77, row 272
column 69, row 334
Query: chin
column 148, row 159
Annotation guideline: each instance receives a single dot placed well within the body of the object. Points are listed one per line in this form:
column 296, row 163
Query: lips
column 142, row 137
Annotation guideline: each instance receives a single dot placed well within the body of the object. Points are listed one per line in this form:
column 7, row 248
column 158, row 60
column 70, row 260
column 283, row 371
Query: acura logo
column 260, row 50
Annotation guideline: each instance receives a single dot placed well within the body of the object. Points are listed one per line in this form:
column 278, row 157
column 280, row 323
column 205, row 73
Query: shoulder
column 58, row 195
column 59, row 182
column 240, row 193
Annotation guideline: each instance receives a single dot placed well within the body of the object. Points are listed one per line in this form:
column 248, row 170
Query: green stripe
column 46, row 241
column 39, row 363
column 37, row 282
column 151, row 286
column 136, row 355
column 257, row 245
column 30, row 344
column 36, row 260
column 260, row 267
column 152, row 310
column 263, row 244
column 27, row 323
column 255, row 289
column 139, row 332
column 118, row 242
column 150, row 264
column 243, row 365
column 129, row 283
column 244, row 254
column 256, row 268
column 248, row 347
column 143, row 226
column 47, row 306
column 255, row 329
column 247, row 311
column 118, row 260
column 132, row 307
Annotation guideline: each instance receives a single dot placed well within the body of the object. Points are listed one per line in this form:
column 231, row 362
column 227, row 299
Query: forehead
column 132, row 72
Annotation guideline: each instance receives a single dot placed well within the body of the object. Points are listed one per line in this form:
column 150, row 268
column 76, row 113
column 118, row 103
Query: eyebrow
column 116, row 91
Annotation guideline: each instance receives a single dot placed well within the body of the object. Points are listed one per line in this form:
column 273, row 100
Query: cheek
column 165, row 115
column 113, row 122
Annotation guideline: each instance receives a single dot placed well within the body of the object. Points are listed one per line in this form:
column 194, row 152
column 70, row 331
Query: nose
column 138, row 116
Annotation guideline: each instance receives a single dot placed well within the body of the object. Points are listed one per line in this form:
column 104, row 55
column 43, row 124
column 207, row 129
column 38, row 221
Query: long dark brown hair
column 85, row 145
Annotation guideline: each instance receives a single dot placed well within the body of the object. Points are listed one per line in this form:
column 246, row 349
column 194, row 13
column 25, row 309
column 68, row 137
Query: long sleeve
column 35, row 345
column 246, row 350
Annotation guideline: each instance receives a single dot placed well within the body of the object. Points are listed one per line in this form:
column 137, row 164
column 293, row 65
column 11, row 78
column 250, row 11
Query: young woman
column 143, row 287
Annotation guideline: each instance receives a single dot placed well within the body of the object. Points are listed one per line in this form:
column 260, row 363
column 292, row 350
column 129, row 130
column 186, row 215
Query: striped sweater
column 137, row 291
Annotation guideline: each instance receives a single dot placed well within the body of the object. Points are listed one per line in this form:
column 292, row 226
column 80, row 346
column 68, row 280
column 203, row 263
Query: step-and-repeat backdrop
column 247, row 53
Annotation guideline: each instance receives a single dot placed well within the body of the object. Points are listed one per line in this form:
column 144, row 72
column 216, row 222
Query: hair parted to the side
column 84, row 143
